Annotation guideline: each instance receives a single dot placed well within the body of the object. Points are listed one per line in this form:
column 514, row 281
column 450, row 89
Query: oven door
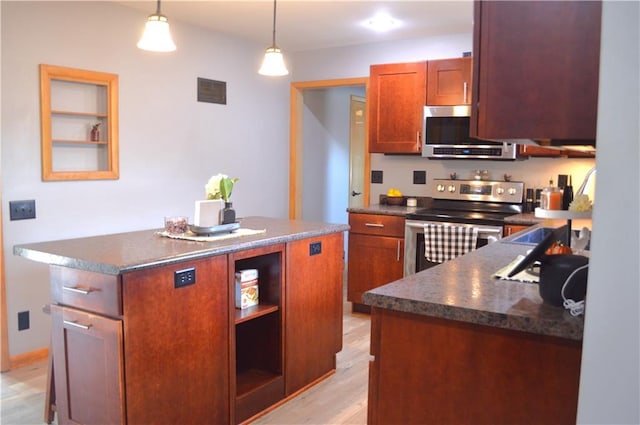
column 414, row 259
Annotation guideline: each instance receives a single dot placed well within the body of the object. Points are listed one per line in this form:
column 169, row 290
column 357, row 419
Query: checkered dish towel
column 443, row 242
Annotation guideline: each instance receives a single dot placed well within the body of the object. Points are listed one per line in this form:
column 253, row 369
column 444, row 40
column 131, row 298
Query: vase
column 227, row 214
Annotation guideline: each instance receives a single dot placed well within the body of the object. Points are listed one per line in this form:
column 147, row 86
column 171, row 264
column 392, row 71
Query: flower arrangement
column 220, row 186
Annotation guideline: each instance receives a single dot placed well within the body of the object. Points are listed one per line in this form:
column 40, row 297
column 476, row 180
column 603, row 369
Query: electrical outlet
column 22, row 210
column 315, row 248
column 376, row 176
column 23, row 320
column 184, row 277
column 419, row 177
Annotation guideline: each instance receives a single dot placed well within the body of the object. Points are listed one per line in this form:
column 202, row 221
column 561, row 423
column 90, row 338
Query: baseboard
column 29, row 358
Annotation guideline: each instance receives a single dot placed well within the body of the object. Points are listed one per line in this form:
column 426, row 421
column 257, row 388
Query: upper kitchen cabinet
column 79, row 124
column 535, row 70
column 449, row 81
column 398, row 94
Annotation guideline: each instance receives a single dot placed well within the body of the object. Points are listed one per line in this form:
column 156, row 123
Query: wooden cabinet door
column 529, row 150
column 314, row 289
column 397, row 94
column 373, row 261
column 177, row 344
column 87, row 356
column 535, row 69
column 449, row 82
column 511, row 229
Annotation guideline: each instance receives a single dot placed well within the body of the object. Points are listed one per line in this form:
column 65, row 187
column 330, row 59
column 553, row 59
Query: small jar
column 551, row 198
column 175, row 225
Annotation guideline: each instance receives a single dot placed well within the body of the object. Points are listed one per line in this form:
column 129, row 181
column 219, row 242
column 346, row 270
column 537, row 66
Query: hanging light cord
column 158, row 9
column 274, row 23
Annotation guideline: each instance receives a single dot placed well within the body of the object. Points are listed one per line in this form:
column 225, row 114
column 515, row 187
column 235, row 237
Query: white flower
column 581, row 203
column 220, row 186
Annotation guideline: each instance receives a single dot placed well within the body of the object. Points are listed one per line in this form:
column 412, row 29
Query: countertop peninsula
column 126, row 252
column 464, row 290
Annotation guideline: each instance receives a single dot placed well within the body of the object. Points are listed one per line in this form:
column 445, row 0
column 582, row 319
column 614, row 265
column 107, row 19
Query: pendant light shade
column 156, row 36
column 273, row 63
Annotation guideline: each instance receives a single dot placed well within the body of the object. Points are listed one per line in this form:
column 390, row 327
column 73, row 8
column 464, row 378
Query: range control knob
column 440, row 188
column 500, row 190
column 512, row 191
column 452, row 188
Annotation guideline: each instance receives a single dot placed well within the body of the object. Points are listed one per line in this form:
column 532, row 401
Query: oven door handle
column 485, row 230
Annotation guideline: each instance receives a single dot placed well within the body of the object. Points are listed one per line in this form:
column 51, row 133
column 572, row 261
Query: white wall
column 170, row 144
column 610, row 374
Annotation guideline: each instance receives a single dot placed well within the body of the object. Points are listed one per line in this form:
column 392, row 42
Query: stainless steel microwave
column 445, row 135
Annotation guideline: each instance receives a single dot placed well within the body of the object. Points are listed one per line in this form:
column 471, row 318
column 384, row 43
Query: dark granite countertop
column 524, row 219
column 125, row 252
column 381, row 209
column 464, row 290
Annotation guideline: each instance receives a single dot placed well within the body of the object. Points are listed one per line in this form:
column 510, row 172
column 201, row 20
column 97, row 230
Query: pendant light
column 273, row 63
column 156, row 36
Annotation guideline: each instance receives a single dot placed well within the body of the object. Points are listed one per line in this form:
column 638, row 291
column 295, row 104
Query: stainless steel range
column 480, row 203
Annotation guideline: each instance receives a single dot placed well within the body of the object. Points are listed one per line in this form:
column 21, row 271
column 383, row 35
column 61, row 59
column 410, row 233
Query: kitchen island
column 145, row 329
column 452, row 344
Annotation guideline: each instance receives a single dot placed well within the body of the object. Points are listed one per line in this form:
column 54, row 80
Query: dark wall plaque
column 212, row 91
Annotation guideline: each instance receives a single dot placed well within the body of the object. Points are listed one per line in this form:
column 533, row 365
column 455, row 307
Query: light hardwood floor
column 339, row 399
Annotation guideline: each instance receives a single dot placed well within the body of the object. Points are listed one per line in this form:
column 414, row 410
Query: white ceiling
column 314, row 24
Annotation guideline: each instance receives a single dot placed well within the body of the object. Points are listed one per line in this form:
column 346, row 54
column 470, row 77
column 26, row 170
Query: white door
column 357, row 129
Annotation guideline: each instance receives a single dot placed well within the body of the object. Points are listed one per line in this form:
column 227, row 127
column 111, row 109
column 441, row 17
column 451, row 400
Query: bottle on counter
column 567, row 195
column 529, row 200
column 551, row 198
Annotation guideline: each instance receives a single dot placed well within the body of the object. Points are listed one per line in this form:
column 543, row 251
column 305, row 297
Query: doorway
column 297, row 170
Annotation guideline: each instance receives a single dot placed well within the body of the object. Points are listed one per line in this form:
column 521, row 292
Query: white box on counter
column 246, row 288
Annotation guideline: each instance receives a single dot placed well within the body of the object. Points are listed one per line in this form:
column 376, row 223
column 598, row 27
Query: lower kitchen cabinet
column 166, row 345
column 376, row 254
column 176, row 339
column 511, row 229
column 88, row 363
column 314, row 309
column 427, row 370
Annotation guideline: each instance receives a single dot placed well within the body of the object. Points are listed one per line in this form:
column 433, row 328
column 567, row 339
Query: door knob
column 354, row 193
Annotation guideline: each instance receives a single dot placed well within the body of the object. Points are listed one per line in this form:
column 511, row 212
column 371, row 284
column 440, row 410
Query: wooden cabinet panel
column 177, row 344
column 96, row 292
column 397, row 96
column 449, row 81
column 374, row 224
column 314, row 309
column 435, row 371
column 373, row 261
column 89, row 376
column 511, row 229
column 535, row 70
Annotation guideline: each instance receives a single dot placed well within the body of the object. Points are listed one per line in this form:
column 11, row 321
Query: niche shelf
column 72, row 101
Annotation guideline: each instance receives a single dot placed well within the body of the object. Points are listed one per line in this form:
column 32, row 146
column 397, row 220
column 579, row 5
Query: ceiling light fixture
column 273, row 63
column 381, row 22
column 156, row 36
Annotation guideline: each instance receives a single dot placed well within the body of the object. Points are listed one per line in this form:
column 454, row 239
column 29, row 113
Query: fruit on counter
column 558, row 248
column 581, row 203
column 394, row 192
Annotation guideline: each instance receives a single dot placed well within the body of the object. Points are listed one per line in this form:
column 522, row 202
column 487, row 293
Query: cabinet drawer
column 96, row 292
column 373, row 224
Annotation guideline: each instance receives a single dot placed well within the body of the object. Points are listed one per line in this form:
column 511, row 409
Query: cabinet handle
column 465, row 87
column 398, row 252
column 374, row 225
column 76, row 324
column 77, row 290
column 418, row 138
